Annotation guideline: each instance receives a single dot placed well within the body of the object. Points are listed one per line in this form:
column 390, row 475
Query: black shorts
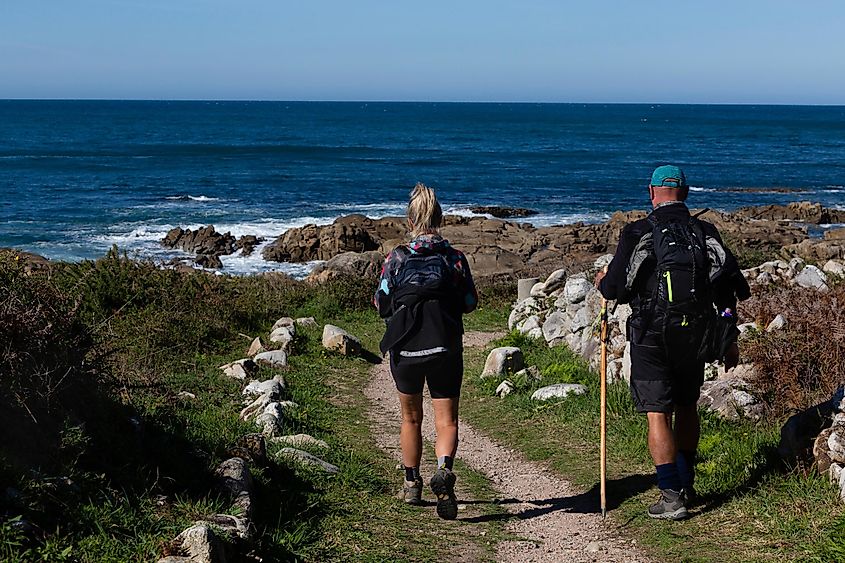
column 444, row 374
column 665, row 374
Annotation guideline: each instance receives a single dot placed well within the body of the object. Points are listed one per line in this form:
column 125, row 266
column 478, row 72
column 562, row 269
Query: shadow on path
column 618, row 491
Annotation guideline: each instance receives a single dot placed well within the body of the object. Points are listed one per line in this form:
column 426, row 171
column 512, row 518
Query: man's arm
column 612, row 283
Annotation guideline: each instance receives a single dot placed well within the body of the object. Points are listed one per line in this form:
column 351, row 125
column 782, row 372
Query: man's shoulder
column 636, row 229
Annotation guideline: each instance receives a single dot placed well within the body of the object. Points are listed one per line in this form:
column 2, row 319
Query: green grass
column 753, row 510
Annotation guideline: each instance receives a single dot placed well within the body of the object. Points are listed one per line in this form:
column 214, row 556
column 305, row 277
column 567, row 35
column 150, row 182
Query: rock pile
column 795, row 272
column 214, row 538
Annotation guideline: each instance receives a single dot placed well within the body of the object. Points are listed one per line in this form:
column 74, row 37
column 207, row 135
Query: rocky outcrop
column 208, row 244
column 357, row 264
column 502, row 212
column 31, row 262
column 353, row 233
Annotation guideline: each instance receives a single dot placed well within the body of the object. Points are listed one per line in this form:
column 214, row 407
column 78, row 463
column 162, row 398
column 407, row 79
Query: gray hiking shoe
column 412, row 492
column 671, row 506
column 443, row 487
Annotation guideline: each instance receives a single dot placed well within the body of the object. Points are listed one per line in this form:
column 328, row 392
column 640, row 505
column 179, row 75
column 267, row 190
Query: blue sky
column 755, row 51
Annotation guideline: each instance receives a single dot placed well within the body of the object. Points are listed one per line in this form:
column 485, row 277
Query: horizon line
column 387, row 101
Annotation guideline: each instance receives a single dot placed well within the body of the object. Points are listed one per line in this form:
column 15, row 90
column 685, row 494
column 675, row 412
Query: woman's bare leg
column 410, row 436
column 446, row 425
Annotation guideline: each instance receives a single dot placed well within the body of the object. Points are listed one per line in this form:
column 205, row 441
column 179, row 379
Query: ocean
column 77, row 177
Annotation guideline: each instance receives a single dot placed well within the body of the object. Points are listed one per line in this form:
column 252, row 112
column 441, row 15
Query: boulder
column 504, row 389
column 556, row 326
column 576, row 289
column 801, row 430
column 835, row 268
column 307, row 460
column 555, row 281
column 234, row 479
column 240, row 369
column 581, row 320
column 300, row 441
column 285, row 322
column 282, row 336
column 352, row 264
column 502, row 212
column 338, row 340
column 209, row 261
column 558, row 390
column 256, row 347
column 538, row 290
column 503, row 361
column 273, row 358
column 272, row 387
column 729, row 398
column 247, row 243
column 531, row 327
column 205, row 241
column 200, row 544
column 602, row 262
column 812, row 278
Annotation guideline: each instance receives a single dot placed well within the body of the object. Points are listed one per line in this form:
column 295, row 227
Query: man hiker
column 683, row 285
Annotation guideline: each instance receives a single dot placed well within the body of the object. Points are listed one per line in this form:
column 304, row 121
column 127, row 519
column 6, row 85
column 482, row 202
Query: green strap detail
column 668, row 276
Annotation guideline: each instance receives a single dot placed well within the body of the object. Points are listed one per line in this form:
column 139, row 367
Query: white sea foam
column 700, row 189
column 198, row 198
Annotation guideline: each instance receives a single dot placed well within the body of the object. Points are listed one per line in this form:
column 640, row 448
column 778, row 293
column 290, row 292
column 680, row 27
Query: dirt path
column 555, row 521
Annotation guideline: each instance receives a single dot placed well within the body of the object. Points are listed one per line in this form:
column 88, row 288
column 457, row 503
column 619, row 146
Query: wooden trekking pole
column 603, row 413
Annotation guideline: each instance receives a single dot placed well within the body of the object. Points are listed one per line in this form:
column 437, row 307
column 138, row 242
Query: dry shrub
column 804, row 363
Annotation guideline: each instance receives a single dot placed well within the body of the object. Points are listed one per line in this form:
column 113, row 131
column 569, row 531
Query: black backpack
column 425, row 309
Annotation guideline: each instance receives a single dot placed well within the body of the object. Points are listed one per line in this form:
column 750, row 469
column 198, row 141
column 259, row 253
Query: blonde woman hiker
column 425, row 289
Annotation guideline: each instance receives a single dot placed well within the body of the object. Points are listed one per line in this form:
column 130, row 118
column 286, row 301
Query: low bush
column 802, row 364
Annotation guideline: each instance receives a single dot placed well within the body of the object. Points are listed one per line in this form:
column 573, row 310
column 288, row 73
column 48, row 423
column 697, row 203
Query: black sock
column 685, row 461
column 667, row 477
column 445, row 461
column 412, row 473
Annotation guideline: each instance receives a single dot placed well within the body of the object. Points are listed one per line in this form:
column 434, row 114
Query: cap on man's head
column 668, row 176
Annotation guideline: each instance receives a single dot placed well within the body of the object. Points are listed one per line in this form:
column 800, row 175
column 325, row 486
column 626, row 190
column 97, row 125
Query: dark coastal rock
column 501, row 212
column 353, row 233
column 247, row 243
column 211, row 261
column 201, row 241
column 799, row 211
column 359, row 264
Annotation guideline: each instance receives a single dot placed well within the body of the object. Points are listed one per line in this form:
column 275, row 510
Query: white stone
column 270, row 387
column 531, row 327
column 764, row 278
column 279, row 408
column 581, row 320
column 835, row 268
column 834, row 472
column 503, row 361
column 576, row 289
column 338, row 340
column 602, row 261
column 504, row 389
column 239, row 369
column 626, row 363
column 794, row 267
column 556, row 326
column 614, row 370
column 256, row 407
column 286, row 322
column 300, row 441
column 537, row 290
column 273, row 358
column 525, row 308
column 555, row 281
column 201, row 544
column 778, row 323
column 747, row 328
column 812, row 278
column 306, row 459
column 255, row 348
column 558, row 390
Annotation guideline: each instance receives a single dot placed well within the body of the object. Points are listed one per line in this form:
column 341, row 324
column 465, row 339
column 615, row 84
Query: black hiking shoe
column 693, row 499
column 443, row 487
column 412, row 492
column 671, row 506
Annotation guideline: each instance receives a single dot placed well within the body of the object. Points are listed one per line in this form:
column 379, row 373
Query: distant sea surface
column 77, row 177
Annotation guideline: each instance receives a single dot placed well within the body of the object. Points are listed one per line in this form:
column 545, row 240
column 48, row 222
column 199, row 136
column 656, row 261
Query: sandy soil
column 553, row 519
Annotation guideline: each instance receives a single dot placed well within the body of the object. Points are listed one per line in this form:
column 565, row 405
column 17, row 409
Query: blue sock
column 667, row 476
column 412, row 473
column 685, row 461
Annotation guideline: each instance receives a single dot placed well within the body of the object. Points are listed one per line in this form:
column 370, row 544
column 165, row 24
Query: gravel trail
column 554, row 520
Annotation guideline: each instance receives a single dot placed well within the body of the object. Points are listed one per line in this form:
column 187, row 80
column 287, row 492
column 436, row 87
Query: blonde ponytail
column 424, row 212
